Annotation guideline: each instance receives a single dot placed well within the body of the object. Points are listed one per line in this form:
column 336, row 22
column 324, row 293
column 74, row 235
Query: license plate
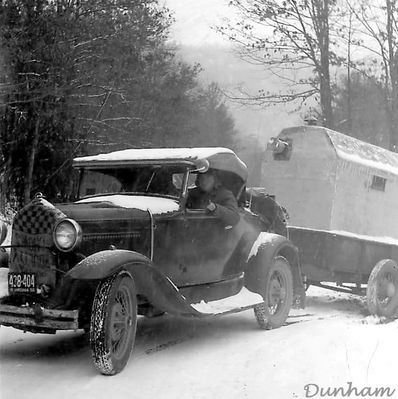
column 21, row 283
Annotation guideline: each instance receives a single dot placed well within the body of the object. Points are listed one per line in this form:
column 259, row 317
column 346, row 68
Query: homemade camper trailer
column 331, row 181
column 341, row 195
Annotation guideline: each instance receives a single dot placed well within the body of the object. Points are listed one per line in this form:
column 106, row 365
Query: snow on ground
column 330, row 343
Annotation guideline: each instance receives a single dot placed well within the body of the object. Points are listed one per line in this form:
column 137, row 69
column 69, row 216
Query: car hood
column 155, row 205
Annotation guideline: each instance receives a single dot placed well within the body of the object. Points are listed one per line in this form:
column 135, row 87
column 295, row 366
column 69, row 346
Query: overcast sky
column 194, row 19
column 193, row 30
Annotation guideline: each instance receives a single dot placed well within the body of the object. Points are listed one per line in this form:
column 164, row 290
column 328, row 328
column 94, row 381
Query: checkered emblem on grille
column 38, row 217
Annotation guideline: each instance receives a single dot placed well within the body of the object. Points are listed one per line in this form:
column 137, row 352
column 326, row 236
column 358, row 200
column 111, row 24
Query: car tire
column 113, row 323
column 382, row 289
column 278, row 295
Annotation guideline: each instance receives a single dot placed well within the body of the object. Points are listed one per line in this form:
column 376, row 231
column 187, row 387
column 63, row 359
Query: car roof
column 213, row 157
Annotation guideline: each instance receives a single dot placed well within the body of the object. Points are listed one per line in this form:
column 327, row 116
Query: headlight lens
column 67, row 235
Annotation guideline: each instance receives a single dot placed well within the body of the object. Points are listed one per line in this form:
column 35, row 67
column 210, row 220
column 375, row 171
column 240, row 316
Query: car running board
column 244, row 300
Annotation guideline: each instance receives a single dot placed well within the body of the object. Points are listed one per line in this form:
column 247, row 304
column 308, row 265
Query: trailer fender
column 264, row 250
column 149, row 281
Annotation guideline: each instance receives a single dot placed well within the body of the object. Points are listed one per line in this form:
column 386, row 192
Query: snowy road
column 330, row 343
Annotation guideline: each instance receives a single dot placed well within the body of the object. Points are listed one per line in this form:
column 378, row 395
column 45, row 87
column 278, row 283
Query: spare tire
column 273, row 215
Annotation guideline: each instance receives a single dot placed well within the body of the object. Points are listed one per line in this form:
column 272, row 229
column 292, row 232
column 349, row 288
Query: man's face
column 206, row 182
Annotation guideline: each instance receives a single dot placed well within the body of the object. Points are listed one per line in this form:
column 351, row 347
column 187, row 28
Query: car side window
column 178, row 180
column 195, row 200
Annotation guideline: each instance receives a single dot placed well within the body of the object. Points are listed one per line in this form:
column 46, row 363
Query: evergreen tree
column 88, row 76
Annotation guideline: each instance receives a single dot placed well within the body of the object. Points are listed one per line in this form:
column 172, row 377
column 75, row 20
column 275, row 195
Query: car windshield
column 145, row 180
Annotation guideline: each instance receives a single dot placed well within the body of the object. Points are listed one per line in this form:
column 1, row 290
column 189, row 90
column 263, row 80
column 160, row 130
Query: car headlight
column 67, row 235
column 3, row 232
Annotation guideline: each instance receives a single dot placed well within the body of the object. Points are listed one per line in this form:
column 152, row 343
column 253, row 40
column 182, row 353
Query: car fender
column 266, row 247
column 149, row 281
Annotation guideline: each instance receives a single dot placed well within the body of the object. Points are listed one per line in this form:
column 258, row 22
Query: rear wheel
column 113, row 323
column 382, row 289
column 278, row 295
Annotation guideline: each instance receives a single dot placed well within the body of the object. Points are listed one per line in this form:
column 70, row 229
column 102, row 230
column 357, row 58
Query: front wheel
column 278, row 295
column 113, row 323
column 382, row 289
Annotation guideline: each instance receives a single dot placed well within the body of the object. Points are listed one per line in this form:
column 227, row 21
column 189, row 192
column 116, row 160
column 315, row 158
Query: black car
column 130, row 246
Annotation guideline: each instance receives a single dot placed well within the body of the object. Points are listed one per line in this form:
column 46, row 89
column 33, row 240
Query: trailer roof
column 217, row 158
column 356, row 151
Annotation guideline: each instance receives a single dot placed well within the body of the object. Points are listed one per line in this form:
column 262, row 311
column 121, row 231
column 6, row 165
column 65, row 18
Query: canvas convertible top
column 201, row 157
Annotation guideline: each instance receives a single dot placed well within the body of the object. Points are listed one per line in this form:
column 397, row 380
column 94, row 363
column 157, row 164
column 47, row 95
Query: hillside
column 220, row 64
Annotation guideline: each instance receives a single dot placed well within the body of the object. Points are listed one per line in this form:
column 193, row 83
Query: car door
column 198, row 249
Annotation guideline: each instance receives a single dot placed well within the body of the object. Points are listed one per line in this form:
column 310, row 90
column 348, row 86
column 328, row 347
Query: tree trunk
column 31, row 162
column 349, row 88
column 322, row 7
column 326, row 99
column 393, row 73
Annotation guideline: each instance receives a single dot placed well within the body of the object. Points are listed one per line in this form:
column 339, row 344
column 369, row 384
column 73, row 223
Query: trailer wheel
column 278, row 297
column 113, row 323
column 382, row 289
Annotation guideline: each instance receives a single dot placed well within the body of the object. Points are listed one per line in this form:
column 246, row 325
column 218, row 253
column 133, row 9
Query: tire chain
column 262, row 316
column 100, row 356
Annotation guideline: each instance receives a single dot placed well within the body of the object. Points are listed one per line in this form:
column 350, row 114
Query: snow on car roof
column 218, row 158
column 355, row 151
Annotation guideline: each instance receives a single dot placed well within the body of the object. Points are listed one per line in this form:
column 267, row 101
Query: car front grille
column 32, row 242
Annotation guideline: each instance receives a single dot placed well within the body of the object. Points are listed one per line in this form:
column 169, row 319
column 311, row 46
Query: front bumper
column 38, row 319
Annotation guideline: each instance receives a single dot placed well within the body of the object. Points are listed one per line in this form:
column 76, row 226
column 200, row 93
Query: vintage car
column 128, row 245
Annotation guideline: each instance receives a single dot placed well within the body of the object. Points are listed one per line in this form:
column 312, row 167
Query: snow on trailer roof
column 356, row 151
column 217, row 158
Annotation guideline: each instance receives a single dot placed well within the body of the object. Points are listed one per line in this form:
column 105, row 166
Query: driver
column 209, row 194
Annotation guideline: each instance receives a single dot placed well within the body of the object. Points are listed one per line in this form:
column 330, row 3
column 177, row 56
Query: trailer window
column 378, row 183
